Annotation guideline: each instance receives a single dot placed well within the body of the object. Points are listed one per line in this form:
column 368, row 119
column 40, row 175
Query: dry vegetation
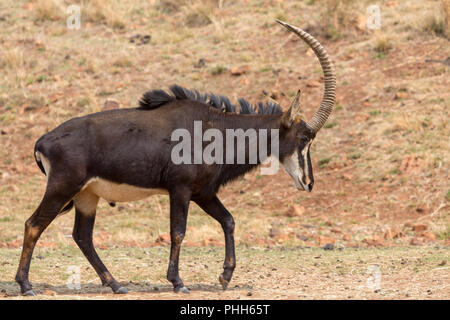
column 381, row 163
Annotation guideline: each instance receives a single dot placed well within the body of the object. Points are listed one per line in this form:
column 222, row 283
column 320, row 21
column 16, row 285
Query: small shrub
column 339, row 16
column 47, row 10
column 122, row 62
column 82, row 102
column 434, row 25
column 382, row 45
column 323, row 162
column 218, row 70
column 445, row 13
column 330, row 125
column 100, row 11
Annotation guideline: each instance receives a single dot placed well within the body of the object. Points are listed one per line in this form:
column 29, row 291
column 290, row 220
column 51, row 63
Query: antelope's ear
column 293, row 114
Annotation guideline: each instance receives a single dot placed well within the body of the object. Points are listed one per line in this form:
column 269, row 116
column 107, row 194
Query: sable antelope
column 124, row 155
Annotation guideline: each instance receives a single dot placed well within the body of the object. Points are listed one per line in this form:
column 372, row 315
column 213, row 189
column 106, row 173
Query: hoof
column 121, row 290
column 223, row 282
column 29, row 293
column 182, row 290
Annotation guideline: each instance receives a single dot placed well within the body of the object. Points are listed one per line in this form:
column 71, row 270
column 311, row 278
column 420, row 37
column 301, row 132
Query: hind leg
column 179, row 206
column 56, row 197
column 85, row 209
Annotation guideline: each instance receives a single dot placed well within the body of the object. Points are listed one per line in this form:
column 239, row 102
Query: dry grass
column 48, row 10
column 436, row 21
column 383, row 44
column 340, row 16
column 11, row 59
column 193, row 13
column 103, row 11
column 93, row 11
column 445, row 13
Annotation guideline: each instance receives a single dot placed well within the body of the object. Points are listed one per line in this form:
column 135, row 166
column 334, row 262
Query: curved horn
column 329, row 95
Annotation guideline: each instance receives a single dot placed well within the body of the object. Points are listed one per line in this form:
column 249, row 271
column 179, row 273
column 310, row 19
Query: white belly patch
column 119, row 192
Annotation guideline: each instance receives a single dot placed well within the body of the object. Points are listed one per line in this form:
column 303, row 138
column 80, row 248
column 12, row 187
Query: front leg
column 215, row 209
column 179, row 206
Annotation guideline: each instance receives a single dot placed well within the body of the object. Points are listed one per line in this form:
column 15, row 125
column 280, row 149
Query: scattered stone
column 420, row 209
column 140, row 39
column 443, row 263
column 237, row 71
column 295, row 211
column 419, row 227
column 273, row 232
column 401, row 95
column 163, row 238
column 313, row 84
column 411, row 164
column 200, row 64
column 326, row 240
column 276, row 72
column 428, row 236
column 110, row 105
column 275, row 94
column 249, row 294
column 328, row 246
column 392, row 233
column 302, row 237
column 361, row 117
column 375, row 242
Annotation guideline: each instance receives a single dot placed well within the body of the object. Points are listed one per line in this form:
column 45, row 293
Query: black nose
column 310, row 186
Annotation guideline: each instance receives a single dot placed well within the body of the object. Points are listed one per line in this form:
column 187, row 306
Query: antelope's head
column 300, row 134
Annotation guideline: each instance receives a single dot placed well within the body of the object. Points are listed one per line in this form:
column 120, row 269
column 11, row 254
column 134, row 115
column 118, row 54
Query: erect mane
column 156, row 98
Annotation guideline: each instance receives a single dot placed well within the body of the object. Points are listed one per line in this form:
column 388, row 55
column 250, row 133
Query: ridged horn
column 329, row 96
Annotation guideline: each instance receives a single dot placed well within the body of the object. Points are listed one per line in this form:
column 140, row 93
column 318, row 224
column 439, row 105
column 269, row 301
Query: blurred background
column 381, row 163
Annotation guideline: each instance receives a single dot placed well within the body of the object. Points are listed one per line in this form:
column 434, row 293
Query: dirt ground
column 381, row 163
column 262, row 273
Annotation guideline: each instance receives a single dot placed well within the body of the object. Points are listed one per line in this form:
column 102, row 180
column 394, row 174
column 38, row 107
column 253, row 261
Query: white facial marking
column 292, row 167
column 305, row 152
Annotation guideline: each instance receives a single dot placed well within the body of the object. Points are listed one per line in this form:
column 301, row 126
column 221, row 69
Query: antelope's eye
column 303, row 139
